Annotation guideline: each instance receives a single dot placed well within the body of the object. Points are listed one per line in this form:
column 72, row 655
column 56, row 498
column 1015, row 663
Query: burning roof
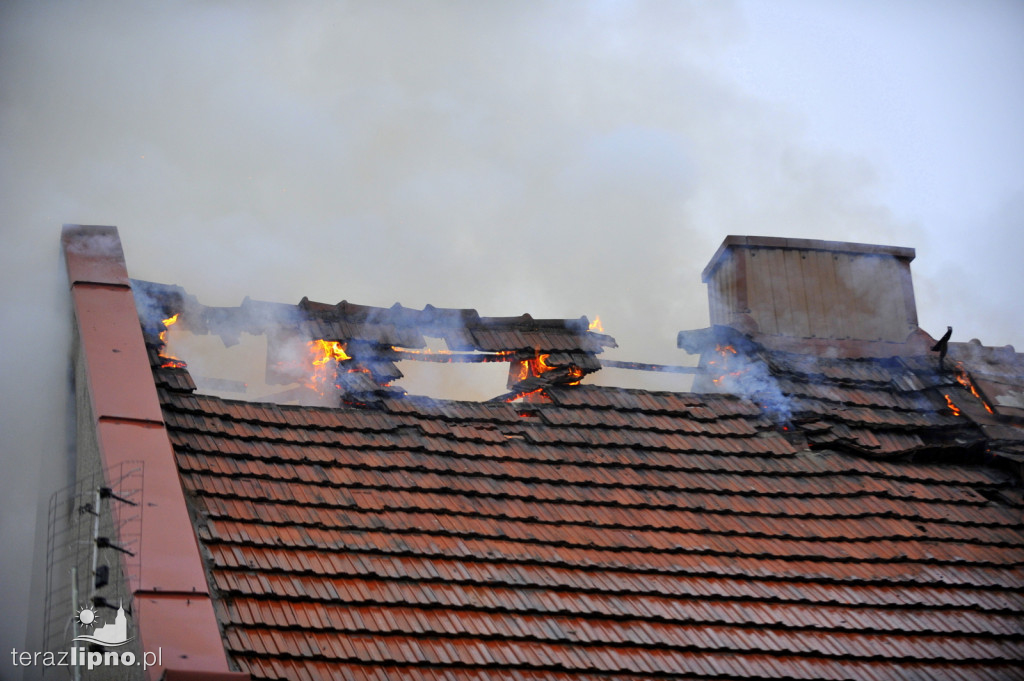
column 355, row 348
column 806, row 514
column 899, row 406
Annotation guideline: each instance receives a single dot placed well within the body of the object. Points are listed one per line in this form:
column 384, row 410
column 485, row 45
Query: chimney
column 804, row 288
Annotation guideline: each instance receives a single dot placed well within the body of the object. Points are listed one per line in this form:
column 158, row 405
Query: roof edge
column 127, row 425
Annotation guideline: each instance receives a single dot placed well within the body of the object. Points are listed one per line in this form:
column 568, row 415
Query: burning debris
column 529, row 376
column 349, row 352
column 543, row 367
column 964, row 379
column 731, row 362
column 721, row 367
column 743, row 375
column 331, row 369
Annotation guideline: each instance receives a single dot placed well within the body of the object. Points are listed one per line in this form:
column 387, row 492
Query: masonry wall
column 812, row 289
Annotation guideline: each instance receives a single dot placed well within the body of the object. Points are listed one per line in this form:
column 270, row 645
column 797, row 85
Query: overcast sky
column 557, row 158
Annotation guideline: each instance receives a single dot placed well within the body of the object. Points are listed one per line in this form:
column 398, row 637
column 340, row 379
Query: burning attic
column 351, row 352
column 827, row 502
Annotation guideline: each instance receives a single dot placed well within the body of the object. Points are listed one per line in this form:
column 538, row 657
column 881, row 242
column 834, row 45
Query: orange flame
column 952, row 407
column 596, row 325
column 725, row 351
column 168, row 323
column 536, row 395
column 325, row 351
column 524, row 370
column 537, row 366
column 171, row 362
column 325, row 355
column 965, row 380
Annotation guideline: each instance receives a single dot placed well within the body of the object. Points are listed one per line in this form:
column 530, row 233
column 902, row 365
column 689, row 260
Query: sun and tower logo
column 110, row 637
column 113, row 634
column 95, row 645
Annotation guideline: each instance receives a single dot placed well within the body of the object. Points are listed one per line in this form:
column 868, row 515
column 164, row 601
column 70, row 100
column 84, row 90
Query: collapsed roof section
column 909, row 406
column 824, row 336
column 366, row 342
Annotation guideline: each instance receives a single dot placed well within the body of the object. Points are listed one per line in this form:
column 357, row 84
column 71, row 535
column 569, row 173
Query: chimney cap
column 736, row 241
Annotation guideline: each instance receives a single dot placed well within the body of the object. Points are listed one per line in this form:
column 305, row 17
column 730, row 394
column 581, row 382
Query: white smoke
column 749, row 377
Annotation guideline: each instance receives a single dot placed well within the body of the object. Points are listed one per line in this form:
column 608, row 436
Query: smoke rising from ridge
column 553, row 158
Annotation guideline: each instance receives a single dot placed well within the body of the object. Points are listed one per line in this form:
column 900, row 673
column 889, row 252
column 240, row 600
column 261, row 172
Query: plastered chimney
column 803, row 288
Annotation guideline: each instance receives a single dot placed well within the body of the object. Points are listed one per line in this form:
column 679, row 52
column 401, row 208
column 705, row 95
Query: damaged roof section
column 815, row 511
column 461, row 329
column 366, row 342
column 819, row 512
column 903, row 405
column 824, row 336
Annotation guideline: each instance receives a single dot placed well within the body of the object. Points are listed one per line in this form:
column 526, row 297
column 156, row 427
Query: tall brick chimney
column 803, row 288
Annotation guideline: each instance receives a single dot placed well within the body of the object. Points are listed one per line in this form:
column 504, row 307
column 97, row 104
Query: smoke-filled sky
column 557, row 158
